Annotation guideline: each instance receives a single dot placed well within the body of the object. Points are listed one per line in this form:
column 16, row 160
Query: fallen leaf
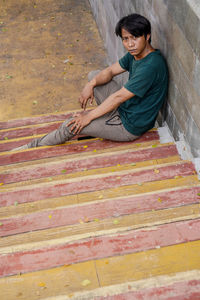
column 115, row 222
column 1, row 224
column 50, row 216
column 35, row 102
column 198, row 194
column 154, row 146
column 118, row 177
column 81, row 221
column 94, row 150
column 41, row 284
column 118, row 165
column 16, row 203
column 8, row 76
column 133, row 164
column 176, row 177
column 106, row 262
column 100, row 197
column 1, row 183
column 63, row 171
column 139, row 183
column 159, row 199
column 96, row 220
column 85, row 146
column 50, row 178
column 85, row 282
column 6, row 138
column 138, row 145
column 156, row 171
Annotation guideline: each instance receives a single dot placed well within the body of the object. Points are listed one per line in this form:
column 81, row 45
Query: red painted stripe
column 23, row 132
column 54, row 169
column 101, row 210
column 34, row 120
column 11, row 144
column 28, row 194
column 39, row 153
column 183, row 290
column 98, row 247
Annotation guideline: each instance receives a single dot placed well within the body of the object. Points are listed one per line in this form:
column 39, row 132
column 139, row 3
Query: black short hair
column 136, row 24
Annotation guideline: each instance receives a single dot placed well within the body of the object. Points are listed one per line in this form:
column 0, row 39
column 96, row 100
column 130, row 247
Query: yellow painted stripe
column 139, row 189
column 132, row 147
column 104, row 272
column 122, row 191
column 166, row 260
column 93, row 172
column 65, row 234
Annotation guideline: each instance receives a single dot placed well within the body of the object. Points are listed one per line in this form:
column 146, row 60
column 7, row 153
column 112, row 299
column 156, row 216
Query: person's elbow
column 122, row 95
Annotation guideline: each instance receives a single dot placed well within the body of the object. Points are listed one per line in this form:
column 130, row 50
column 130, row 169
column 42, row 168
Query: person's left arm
column 111, row 103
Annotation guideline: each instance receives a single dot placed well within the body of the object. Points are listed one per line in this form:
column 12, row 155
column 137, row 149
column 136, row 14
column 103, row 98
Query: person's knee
column 92, row 74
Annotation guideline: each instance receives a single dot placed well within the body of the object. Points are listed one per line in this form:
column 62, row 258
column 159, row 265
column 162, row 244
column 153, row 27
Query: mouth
column 132, row 50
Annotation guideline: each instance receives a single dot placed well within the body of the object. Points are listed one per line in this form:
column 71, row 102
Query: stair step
column 34, row 120
column 52, row 151
column 102, row 161
column 92, row 274
column 96, row 210
column 99, row 247
column 21, row 194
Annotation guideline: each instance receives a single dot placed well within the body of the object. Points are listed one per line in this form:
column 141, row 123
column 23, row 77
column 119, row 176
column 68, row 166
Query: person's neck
column 146, row 52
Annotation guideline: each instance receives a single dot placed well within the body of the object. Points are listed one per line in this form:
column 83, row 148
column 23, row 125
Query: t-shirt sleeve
column 141, row 81
column 125, row 62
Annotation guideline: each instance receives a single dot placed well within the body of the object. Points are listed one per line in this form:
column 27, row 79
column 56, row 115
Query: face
column 136, row 46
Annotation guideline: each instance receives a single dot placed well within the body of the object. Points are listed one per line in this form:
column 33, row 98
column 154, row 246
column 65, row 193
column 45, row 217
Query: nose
column 130, row 42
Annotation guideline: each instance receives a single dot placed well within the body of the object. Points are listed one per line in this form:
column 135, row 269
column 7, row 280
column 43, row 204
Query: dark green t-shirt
column 148, row 81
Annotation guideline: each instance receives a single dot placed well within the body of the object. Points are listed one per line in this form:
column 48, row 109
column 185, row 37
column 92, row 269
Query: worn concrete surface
column 37, row 37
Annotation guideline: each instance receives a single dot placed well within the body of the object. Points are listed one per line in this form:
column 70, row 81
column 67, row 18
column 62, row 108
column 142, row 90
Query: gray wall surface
column 176, row 32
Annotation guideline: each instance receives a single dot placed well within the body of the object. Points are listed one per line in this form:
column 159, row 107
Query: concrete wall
column 176, row 32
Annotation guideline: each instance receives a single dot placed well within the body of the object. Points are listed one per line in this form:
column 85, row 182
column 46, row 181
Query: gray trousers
column 109, row 126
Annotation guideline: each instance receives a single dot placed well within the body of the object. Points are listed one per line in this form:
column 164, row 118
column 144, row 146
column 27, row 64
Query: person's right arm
column 102, row 77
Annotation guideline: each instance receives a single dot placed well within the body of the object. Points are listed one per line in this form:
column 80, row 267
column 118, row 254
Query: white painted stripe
column 148, row 283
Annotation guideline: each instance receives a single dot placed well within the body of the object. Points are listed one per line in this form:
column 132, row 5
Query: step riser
column 90, row 163
column 101, row 247
column 105, row 182
column 101, row 210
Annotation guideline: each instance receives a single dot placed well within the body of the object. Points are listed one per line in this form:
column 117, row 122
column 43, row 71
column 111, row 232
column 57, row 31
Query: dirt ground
column 47, row 48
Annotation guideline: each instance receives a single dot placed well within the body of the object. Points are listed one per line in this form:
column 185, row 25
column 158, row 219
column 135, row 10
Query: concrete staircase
column 95, row 219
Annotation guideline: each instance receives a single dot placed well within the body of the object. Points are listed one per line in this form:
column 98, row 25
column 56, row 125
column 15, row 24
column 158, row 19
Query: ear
column 148, row 37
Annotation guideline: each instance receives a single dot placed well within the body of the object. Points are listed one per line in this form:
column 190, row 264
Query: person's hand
column 86, row 94
column 79, row 122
